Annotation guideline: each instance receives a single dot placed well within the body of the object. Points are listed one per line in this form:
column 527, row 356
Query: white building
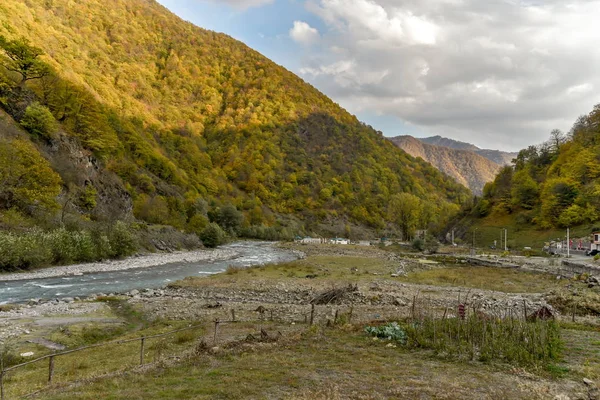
column 595, row 241
column 339, row 241
column 310, row 240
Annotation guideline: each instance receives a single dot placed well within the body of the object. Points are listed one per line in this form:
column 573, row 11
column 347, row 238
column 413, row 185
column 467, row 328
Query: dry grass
column 319, row 364
column 317, row 268
column 498, row 279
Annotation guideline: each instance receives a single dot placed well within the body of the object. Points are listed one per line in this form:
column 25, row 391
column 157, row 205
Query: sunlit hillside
column 191, row 120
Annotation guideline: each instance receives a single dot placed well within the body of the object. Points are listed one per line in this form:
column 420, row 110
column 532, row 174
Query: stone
column 399, row 302
column 134, row 292
column 68, row 300
column 28, row 354
column 588, row 382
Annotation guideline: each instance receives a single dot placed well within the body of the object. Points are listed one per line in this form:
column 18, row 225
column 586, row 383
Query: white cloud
column 498, row 72
column 244, row 4
column 304, row 33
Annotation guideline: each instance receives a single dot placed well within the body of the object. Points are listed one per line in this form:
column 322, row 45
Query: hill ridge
column 465, row 166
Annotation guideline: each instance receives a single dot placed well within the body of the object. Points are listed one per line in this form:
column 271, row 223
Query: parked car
column 592, row 252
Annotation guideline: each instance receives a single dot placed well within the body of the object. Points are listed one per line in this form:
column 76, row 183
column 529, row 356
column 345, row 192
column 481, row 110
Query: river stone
column 134, row 292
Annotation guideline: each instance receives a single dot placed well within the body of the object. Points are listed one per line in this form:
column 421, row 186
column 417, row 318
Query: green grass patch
column 519, row 236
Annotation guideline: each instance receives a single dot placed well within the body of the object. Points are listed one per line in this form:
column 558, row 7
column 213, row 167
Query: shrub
column 122, row 241
column 482, row 338
column 213, row 235
column 39, row 121
column 418, row 244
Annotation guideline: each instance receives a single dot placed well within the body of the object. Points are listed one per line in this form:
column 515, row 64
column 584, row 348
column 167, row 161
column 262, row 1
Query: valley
column 183, row 217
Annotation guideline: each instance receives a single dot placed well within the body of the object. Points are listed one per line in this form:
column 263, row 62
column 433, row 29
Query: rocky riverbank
column 141, row 261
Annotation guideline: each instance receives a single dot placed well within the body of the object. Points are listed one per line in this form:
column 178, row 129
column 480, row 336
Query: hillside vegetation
column 124, row 110
column 553, row 185
column 466, row 166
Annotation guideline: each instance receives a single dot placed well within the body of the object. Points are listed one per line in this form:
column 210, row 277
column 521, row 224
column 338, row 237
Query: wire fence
column 48, row 375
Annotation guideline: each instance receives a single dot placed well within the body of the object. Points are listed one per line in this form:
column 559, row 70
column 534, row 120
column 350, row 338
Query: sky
column 499, row 74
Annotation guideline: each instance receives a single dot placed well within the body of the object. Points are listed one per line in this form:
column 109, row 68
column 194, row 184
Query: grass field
column 489, row 229
column 319, row 268
column 319, row 364
column 506, row 280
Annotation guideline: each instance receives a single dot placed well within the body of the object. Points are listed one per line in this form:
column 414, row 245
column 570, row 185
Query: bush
column 39, row 121
column 123, row 242
column 213, row 235
column 418, row 244
column 482, row 338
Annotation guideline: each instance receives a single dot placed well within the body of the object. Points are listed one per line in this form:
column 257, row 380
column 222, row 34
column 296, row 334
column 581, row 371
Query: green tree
column 524, row 190
column 404, row 210
column 26, row 179
column 39, row 121
column 213, row 235
column 24, row 59
column 228, row 217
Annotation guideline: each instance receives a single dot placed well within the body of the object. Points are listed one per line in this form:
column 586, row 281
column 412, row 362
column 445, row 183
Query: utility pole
column 501, row 237
column 505, row 239
column 452, row 237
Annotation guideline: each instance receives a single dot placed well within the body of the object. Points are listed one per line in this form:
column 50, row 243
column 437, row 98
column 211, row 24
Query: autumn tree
column 24, row 59
column 26, row 179
column 404, row 210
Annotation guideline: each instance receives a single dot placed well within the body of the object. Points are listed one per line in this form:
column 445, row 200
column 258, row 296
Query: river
column 247, row 254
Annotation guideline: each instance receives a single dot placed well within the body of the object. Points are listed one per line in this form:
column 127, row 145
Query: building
column 309, row 240
column 339, row 241
column 595, row 245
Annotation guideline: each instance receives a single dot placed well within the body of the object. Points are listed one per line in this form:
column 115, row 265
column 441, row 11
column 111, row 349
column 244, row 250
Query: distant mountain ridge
column 464, row 165
column 497, row 156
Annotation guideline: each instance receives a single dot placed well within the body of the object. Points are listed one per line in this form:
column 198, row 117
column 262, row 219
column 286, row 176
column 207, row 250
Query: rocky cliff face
column 77, row 168
column 464, row 165
column 496, row 156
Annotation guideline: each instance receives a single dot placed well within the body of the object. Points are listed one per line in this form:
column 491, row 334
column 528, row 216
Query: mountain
column 467, row 167
column 496, row 156
column 554, row 185
column 123, row 99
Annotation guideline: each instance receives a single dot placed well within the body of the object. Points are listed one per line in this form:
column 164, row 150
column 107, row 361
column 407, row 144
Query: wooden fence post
column 525, row 309
column 50, row 368
column 216, row 328
column 142, row 351
column 2, row 383
column 350, row 315
column 2, row 375
column 232, row 315
column 312, row 313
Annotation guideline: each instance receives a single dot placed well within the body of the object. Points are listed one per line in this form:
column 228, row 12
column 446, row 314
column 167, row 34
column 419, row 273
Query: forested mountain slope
column 496, row 156
column 189, row 121
column 467, row 167
column 555, row 184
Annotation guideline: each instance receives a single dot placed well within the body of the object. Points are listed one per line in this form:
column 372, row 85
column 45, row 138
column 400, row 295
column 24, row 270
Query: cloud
column 303, row 33
column 244, row 4
column 497, row 73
